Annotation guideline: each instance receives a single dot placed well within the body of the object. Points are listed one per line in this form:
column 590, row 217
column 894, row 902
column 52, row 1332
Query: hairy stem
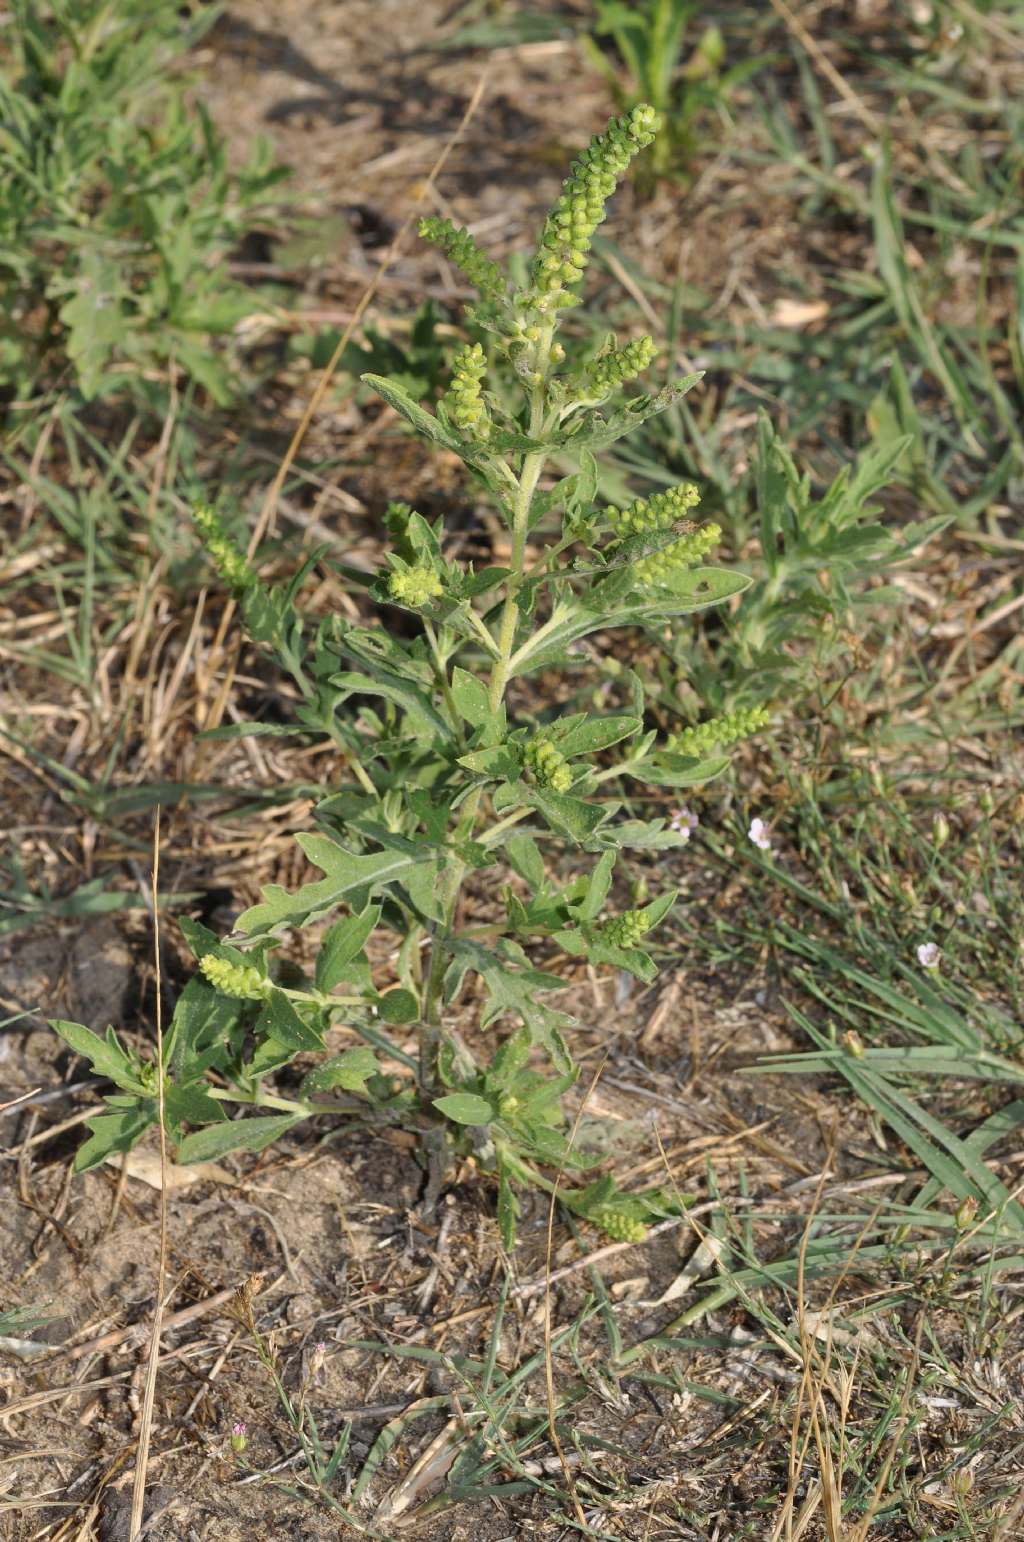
column 529, row 475
column 521, row 501
column 441, row 674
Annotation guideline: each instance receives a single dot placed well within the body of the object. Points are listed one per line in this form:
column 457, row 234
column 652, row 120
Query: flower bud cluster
column 226, row 555
column 620, row 1227
column 625, row 931
column 414, row 586
column 725, row 730
column 568, row 229
column 549, row 767
column 659, row 512
column 463, row 398
column 614, row 368
column 398, row 514
column 662, row 566
column 460, row 248
column 239, row 980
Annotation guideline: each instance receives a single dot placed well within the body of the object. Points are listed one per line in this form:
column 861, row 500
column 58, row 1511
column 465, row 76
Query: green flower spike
column 662, row 566
column 625, row 931
column 659, row 512
column 614, row 368
column 240, row 980
column 549, row 767
column 621, row 1228
column 725, row 730
column 414, row 586
column 568, row 229
column 460, row 248
column 226, row 555
column 463, row 398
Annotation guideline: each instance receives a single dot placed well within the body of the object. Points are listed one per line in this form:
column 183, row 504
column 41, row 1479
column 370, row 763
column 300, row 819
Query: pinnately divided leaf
column 571, row 621
column 418, row 417
column 345, row 875
column 106, row 1056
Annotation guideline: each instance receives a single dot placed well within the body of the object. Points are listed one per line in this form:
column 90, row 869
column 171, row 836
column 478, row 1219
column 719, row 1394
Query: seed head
column 569, row 228
column 549, row 767
column 725, row 730
column 239, row 980
column 414, row 586
column 316, row 1360
column 620, row 1227
column 460, row 248
column 626, row 930
column 226, row 555
column 662, row 566
column 662, row 511
column 463, row 398
column 614, row 368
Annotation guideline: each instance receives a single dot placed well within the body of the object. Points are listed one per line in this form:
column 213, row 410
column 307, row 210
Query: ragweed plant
column 118, row 210
column 456, row 780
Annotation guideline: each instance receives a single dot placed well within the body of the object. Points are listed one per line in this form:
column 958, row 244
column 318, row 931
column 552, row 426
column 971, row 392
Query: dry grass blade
column 827, row 68
column 427, row 1472
column 149, row 1393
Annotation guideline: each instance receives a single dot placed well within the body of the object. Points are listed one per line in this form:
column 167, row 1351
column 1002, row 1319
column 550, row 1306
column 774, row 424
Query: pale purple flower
column 928, row 955
column 758, row 833
column 684, row 822
column 238, row 1440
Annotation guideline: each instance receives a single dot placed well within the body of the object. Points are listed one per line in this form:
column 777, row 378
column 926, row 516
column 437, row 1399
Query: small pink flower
column 758, row 833
column 684, row 822
column 238, row 1432
column 928, row 955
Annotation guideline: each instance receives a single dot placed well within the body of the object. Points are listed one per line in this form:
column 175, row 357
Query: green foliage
column 453, row 782
column 807, row 592
column 24, row 904
column 117, row 209
column 652, row 37
column 416, row 360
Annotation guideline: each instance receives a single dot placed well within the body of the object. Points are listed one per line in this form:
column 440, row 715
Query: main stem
column 533, row 465
column 521, row 503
